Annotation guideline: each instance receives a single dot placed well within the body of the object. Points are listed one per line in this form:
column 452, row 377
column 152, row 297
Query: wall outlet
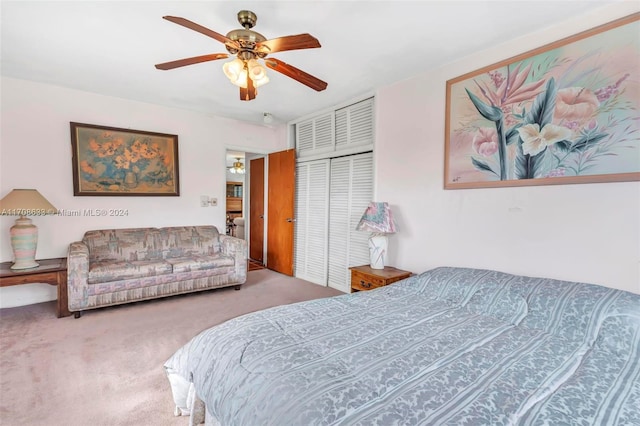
column 204, row 201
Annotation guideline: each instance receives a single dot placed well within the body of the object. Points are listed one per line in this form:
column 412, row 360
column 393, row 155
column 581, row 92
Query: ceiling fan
column 238, row 167
column 249, row 47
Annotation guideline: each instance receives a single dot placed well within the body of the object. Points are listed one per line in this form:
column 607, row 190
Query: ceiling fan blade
column 296, row 74
column 190, row 61
column 203, row 30
column 292, row 42
column 249, row 93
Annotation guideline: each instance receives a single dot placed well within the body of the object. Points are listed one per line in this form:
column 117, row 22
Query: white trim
column 360, row 149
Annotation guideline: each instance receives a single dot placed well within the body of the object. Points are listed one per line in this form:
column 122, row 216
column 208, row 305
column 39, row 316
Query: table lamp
column 378, row 219
column 24, row 234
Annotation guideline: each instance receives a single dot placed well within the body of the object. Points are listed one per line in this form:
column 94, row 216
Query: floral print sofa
column 115, row 266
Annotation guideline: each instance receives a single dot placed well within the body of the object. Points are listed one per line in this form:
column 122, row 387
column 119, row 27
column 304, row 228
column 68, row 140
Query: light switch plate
column 204, row 201
column 213, row 202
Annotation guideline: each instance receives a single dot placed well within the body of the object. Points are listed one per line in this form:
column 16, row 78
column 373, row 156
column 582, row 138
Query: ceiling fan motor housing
column 247, row 40
column 245, row 37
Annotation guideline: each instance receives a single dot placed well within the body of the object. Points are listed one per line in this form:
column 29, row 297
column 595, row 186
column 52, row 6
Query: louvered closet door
column 312, row 209
column 316, row 135
column 354, row 125
column 350, row 191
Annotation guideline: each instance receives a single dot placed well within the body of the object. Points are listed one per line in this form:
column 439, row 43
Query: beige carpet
column 106, row 367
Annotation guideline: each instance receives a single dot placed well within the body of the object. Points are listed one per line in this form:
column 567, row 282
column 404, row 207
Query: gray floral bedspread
column 451, row 346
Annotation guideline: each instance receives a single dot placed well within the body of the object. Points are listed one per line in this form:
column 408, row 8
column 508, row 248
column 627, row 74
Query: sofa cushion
column 187, row 241
column 199, row 262
column 105, row 271
column 130, row 244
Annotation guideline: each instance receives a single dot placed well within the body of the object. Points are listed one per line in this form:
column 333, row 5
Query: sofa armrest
column 236, row 248
column 77, row 275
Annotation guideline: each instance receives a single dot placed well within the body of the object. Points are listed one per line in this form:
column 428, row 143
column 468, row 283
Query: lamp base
column 24, row 240
column 378, row 244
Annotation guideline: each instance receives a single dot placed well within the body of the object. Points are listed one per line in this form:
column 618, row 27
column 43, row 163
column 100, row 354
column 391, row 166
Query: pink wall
column 588, row 232
column 35, row 152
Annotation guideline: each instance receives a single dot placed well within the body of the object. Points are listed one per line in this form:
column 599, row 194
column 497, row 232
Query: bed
column 451, row 346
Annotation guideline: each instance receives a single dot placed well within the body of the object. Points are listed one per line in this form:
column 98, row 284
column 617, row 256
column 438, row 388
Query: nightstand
column 50, row 271
column 365, row 278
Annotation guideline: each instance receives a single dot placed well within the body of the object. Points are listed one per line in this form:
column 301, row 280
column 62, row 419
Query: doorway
column 266, row 208
column 250, row 211
column 245, row 203
column 235, row 194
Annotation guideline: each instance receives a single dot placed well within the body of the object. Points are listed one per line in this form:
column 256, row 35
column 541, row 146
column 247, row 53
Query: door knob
column 290, row 219
column 261, row 216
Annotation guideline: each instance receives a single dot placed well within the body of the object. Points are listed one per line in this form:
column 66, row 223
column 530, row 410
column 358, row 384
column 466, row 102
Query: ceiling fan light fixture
column 237, row 168
column 233, row 69
column 256, row 71
column 241, row 81
column 264, row 80
column 238, row 70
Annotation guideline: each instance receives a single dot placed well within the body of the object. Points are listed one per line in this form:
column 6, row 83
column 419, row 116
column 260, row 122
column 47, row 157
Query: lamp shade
column 24, row 234
column 25, row 202
column 377, row 218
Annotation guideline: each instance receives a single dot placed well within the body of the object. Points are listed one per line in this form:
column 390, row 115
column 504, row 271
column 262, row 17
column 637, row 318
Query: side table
column 366, row 278
column 50, row 271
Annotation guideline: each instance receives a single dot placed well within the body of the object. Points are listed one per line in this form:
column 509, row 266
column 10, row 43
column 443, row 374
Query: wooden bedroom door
column 256, row 210
column 280, row 219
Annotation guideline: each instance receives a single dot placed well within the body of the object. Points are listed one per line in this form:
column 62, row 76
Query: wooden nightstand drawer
column 364, row 278
column 362, row 281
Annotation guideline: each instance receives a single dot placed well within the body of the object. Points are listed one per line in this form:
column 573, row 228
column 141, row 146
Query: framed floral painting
column 568, row 112
column 119, row 162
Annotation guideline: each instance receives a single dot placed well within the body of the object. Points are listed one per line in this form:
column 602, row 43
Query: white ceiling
column 110, row 47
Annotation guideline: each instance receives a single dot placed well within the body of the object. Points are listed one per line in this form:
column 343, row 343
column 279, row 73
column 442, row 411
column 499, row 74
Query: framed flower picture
column 564, row 113
column 108, row 161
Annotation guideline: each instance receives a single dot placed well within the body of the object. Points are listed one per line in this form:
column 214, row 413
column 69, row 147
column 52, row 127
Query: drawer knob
column 365, row 284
